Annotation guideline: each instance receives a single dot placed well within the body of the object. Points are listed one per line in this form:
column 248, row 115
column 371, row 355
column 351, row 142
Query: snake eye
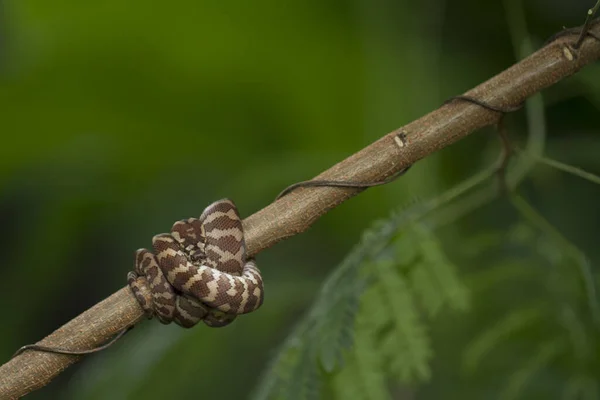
column 196, row 256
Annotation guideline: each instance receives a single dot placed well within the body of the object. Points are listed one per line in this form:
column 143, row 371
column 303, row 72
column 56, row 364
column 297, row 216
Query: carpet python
column 199, row 271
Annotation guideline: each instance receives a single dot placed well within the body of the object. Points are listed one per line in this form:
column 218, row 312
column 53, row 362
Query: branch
column 297, row 211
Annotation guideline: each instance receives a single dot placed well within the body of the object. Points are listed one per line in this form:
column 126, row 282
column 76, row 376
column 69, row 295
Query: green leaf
column 406, row 344
column 336, row 332
column 305, row 380
column 493, row 336
column 279, row 373
column 426, row 287
column 442, row 275
column 405, row 250
column 525, row 372
column 364, row 376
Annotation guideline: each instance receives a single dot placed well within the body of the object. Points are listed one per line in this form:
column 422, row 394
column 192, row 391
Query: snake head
column 189, row 234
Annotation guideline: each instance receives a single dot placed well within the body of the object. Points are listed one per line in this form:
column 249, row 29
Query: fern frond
column 405, row 249
column 491, row 337
column 570, row 169
column 501, row 272
column 425, row 286
column 345, row 382
column 364, row 376
column 407, row 343
column 336, row 329
column 293, row 374
column 581, row 387
column 439, row 268
column 518, row 379
column 305, row 380
column 280, row 371
column 364, row 325
column 475, row 245
column 434, row 279
column 554, row 236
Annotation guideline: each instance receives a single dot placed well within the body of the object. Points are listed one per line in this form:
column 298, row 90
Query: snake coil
column 199, row 271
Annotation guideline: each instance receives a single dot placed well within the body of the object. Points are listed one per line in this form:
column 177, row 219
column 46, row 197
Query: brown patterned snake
column 199, row 271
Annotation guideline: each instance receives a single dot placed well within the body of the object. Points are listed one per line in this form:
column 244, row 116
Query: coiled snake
column 199, row 271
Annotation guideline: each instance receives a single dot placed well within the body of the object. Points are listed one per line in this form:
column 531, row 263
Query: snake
column 199, row 271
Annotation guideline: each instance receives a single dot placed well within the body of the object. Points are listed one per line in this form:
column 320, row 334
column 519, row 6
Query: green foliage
column 367, row 328
column 550, row 323
column 405, row 341
column 436, row 281
column 364, row 376
column 491, row 337
column 526, row 372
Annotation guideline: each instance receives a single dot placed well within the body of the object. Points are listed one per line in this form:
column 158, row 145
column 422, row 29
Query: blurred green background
column 118, row 118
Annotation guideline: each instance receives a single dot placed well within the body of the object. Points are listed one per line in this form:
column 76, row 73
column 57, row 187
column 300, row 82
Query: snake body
column 199, row 271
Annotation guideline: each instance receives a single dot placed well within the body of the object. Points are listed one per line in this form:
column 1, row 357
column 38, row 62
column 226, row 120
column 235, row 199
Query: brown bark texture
column 295, row 212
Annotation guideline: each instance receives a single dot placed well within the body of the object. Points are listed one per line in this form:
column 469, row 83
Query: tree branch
column 295, row 212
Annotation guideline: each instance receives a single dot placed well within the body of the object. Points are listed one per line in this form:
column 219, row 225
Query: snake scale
column 199, row 271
